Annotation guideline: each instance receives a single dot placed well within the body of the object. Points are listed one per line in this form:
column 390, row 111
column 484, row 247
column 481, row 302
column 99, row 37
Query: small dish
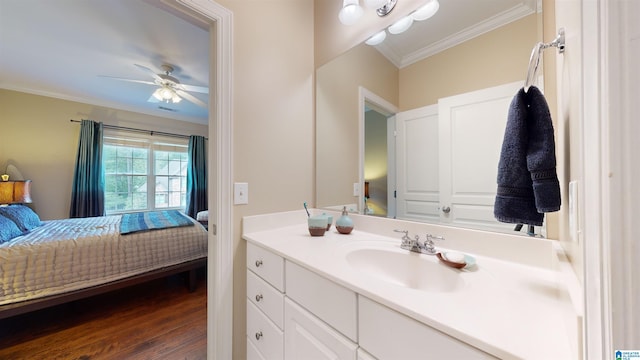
column 468, row 261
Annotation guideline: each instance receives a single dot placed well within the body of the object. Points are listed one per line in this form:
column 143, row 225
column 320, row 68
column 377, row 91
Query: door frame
column 220, row 151
column 384, row 107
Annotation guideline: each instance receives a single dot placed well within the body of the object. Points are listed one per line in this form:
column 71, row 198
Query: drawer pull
column 258, row 263
column 258, row 335
column 258, row 297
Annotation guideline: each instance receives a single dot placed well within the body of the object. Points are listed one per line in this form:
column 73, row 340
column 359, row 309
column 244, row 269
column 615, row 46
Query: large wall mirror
column 366, row 98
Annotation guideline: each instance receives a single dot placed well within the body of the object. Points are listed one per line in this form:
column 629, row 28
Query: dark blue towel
column 528, row 184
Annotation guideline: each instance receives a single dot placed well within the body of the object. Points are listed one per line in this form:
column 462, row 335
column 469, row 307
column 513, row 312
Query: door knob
column 446, row 209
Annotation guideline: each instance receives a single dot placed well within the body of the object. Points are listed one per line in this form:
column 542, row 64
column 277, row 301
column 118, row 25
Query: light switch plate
column 240, row 193
column 356, row 189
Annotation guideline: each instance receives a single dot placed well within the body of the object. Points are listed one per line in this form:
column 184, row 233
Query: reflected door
column 471, row 128
column 417, row 173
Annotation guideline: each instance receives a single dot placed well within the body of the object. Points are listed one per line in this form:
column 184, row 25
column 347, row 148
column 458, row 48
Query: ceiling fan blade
column 191, row 98
column 129, row 80
column 194, row 88
column 149, row 71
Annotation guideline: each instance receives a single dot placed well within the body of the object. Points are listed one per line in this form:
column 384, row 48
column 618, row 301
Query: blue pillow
column 8, row 229
column 22, row 215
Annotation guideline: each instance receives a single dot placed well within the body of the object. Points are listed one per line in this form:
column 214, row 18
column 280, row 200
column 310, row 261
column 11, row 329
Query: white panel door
column 417, row 168
column 471, row 128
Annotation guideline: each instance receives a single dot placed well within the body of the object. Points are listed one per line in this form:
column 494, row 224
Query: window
column 144, row 173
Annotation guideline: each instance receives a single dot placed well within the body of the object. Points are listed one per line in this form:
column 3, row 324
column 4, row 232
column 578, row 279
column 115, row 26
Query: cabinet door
column 389, row 335
column 307, row 337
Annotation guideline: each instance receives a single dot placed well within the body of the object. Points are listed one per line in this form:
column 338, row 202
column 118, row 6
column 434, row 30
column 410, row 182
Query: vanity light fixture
column 377, row 38
column 375, row 4
column 422, row 13
column 351, row 11
column 401, row 25
column 386, row 8
column 426, row 11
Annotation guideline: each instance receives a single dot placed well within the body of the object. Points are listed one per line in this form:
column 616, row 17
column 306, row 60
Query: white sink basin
column 406, row 269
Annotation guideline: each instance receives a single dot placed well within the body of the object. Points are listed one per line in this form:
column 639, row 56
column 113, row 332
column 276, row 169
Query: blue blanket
column 152, row 220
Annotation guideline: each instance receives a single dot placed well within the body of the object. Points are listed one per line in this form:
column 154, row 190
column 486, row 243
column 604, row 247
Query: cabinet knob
column 446, row 209
column 258, row 263
column 258, row 335
column 258, row 297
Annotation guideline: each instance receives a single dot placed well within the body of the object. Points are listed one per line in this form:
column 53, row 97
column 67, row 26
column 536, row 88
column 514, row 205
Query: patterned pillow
column 22, row 215
column 8, row 229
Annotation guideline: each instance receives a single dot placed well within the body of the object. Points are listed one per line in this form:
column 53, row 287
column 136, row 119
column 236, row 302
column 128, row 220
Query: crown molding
column 519, row 11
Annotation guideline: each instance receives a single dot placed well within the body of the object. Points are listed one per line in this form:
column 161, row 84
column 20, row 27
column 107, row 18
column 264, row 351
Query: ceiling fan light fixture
column 351, row 11
column 158, row 94
column 426, row 11
column 166, row 93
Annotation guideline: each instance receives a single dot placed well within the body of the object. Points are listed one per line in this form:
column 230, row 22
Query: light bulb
column 426, row 11
column 375, row 4
column 166, row 93
column 401, row 25
column 158, row 94
column 350, row 13
column 377, row 38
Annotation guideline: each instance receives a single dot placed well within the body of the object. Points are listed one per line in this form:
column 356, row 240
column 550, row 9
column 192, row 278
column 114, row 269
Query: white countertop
column 504, row 308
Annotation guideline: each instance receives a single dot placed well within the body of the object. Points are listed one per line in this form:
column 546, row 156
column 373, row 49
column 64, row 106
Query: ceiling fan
column 169, row 88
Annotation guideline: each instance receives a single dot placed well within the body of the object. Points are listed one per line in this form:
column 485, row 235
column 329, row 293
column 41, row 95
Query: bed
column 47, row 263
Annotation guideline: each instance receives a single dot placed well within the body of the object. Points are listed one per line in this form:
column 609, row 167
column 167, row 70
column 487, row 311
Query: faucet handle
column 432, row 237
column 429, row 246
column 405, row 237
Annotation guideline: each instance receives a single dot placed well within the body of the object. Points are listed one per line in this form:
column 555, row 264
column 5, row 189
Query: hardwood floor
column 155, row 320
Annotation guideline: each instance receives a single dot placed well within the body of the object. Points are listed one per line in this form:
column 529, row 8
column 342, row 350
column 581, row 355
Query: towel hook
column 534, row 59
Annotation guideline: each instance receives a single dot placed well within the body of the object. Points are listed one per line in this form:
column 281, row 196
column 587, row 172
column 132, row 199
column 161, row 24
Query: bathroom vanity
column 360, row 296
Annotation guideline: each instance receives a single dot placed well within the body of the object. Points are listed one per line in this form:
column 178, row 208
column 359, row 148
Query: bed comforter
column 71, row 254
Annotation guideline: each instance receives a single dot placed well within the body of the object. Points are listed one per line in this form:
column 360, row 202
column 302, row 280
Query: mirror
column 368, row 81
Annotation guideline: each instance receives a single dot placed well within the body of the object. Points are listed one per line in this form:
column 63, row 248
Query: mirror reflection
column 415, row 133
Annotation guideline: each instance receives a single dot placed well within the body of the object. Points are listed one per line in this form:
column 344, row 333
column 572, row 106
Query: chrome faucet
column 427, row 247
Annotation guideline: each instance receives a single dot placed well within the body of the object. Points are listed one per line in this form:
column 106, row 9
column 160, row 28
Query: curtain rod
column 150, row 132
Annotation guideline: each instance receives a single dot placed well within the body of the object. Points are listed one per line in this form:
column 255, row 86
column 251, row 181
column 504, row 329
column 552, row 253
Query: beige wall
column 39, row 139
column 273, row 143
column 495, row 58
column 337, row 116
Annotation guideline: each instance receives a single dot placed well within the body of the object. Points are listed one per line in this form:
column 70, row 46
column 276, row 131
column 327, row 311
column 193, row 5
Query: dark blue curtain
column 197, row 176
column 87, row 194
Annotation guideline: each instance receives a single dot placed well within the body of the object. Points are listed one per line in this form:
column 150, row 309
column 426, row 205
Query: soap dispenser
column 344, row 224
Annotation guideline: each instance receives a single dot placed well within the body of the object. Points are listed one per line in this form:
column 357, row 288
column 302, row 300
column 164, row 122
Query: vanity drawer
column 389, row 335
column 264, row 334
column 266, row 298
column 252, row 351
column 267, row 265
column 334, row 304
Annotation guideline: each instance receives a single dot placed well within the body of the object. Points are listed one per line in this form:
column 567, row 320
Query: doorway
column 377, row 155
